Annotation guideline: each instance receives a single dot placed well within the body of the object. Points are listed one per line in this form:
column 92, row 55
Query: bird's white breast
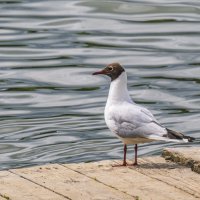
column 118, row 94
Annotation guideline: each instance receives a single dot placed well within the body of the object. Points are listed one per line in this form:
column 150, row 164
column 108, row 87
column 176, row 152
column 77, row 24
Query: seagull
column 132, row 123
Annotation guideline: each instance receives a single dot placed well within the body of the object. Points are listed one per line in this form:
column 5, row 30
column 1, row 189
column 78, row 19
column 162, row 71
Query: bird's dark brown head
column 112, row 70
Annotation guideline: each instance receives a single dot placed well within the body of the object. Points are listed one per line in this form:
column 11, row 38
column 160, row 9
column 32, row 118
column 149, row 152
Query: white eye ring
column 110, row 68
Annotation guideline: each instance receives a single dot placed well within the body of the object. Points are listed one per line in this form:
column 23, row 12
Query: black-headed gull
column 132, row 123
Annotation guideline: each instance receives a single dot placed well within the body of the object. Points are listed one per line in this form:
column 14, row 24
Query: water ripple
column 51, row 108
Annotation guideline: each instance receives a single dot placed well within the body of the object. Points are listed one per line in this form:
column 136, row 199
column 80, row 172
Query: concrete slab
column 189, row 156
column 14, row 187
column 154, row 178
column 70, row 184
column 172, row 174
column 137, row 181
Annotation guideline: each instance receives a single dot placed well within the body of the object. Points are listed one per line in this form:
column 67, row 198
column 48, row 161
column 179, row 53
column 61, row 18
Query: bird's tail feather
column 178, row 136
column 172, row 136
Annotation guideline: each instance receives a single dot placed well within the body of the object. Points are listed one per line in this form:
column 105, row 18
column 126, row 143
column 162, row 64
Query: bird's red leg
column 124, row 160
column 136, row 148
column 125, row 150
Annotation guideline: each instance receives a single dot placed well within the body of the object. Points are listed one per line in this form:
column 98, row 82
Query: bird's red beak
column 99, row 72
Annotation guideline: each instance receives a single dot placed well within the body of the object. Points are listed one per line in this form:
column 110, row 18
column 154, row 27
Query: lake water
column 51, row 107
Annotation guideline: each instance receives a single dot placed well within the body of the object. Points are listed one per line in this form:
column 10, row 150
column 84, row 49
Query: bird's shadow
column 157, row 166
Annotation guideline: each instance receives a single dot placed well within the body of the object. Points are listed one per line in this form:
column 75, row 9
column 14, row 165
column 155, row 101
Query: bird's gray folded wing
column 137, row 122
column 144, row 130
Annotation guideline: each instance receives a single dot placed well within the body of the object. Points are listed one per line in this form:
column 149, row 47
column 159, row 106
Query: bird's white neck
column 118, row 90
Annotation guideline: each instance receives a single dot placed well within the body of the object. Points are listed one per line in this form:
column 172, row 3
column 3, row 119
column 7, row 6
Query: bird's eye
column 110, row 68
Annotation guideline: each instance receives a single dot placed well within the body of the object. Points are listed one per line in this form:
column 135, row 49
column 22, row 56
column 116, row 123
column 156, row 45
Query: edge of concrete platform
column 188, row 156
